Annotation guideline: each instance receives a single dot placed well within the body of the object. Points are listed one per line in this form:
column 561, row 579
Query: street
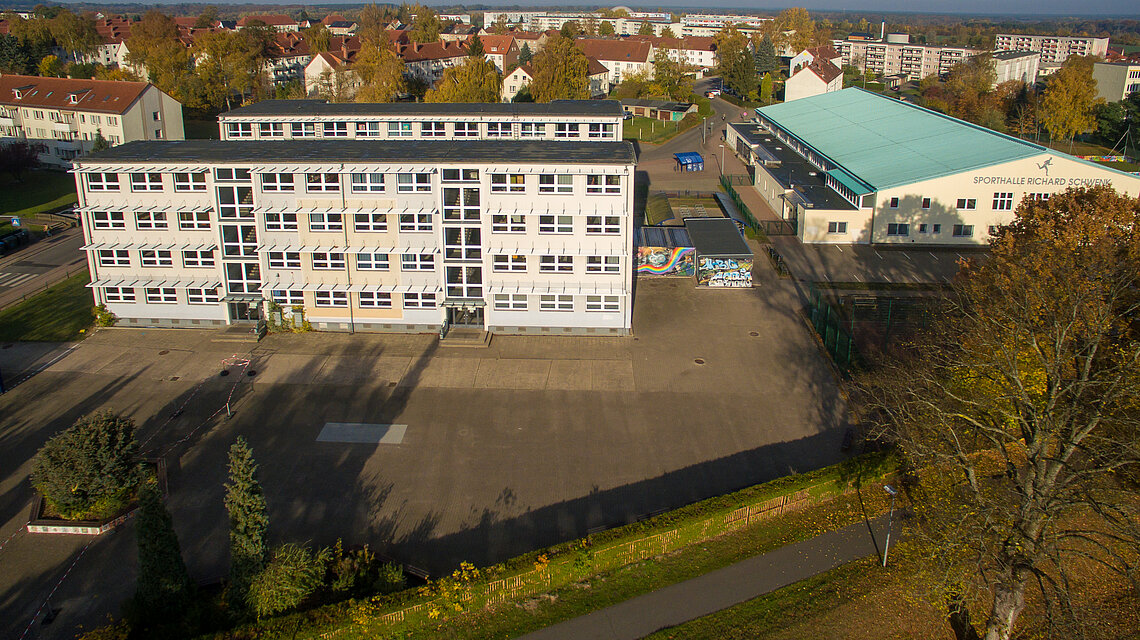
column 32, row 268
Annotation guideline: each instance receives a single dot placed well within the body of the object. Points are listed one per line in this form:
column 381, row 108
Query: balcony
column 66, row 126
column 7, row 122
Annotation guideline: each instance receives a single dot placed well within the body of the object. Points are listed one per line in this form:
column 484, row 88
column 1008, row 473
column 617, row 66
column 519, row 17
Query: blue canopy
column 690, row 161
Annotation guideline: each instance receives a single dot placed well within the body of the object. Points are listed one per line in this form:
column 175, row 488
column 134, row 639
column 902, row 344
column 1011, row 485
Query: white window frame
column 532, row 130
column 303, row 129
column 281, row 221
column 114, row 258
column 368, row 129
column 567, row 130
column 603, row 264
column 898, row 229
column 416, row 222
column 195, row 258
column 284, row 259
column 1003, row 201
column 433, row 129
column 187, row 182
column 277, row 182
column 555, row 302
column 156, row 258
column 326, row 221
column 837, row 227
column 328, row 261
column 505, row 183
column 967, row 204
column 202, row 296
column 330, row 299
column 193, row 220
column 603, row 225
column 413, row 183
column 603, row 303
column 108, row 220
column 291, row 297
column 236, row 210
column 335, row 129
column 962, row 231
column 508, row 223
column 419, row 301
column 322, row 183
column 369, row 222
column 555, row 224
column 374, row 300
column 102, row 182
column 119, row 294
column 271, row 129
column 466, row 129
column 368, row 182
column 373, row 262
column 232, row 174
column 500, row 129
column 507, row 263
column 161, row 295
column 510, row 302
column 417, row 262
column 400, row 130
column 239, row 129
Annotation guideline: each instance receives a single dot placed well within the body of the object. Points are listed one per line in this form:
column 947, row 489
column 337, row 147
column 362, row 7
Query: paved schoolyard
column 533, row 440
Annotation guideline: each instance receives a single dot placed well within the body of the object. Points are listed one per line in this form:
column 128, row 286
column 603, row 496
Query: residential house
column 620, row 57
column 820, row 75
column 502, row 50
column 277, row 21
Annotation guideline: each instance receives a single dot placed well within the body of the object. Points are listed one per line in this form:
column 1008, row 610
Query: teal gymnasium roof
column 886, row 142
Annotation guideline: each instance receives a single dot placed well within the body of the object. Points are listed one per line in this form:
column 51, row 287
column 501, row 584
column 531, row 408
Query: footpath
column 723, row 588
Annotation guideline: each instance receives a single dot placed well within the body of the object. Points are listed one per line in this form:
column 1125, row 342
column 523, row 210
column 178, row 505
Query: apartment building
column 509, row 236
column 67, row 115
column 898, row 56
column 558, row 121
column 1053, row 49
column 1021, row 66
column 1115, row 81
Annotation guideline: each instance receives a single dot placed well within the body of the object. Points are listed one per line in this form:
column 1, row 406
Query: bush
column 103, row 316
column 89, row 470
column 357, row 573
column 294, row 574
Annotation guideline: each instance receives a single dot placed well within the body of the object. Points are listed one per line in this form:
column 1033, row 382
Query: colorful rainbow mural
column 661, row 261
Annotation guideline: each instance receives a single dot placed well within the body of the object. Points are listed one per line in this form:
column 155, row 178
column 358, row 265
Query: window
column 271, row 129
column 367, row 182
column 556, row 224
column 331, row 299
column 508, row 223
column 601, row 130
column 196, row 258
column 118, row 294
column 534, row 129
column 231, row 175
column 433, row 129
column 415, row 222
column 603, row 224
column 367, row 129
column 304, row 129
column 603, row 184
column 922, row 228
column 963, row 231
column 898, row 229
column 419, row 300
column 326, row 221
column 189, row 182
column 202, row 296
column 284, row 260
column 156, row 116
column 463, row 243
column 461, row 204
column 235, row 202
column 837, row 227
column 156, row 258
column 164, row 295
column 466, row 129
column 556, row 263
column 464, row 282
column 370, row 222
column 566, row 130
column 461, row 175
column 967, row 204
column 322, row 182
column 510, row 302
column 114, row 258
column 243, row 277
column 603, row 264
column 937, row 228
column 375, row 300
column 556, row 303
column 239, row 129
column 102, row 182
column 993, row 230
column 1003, row 201
column 336, row 129
column 108, row 219
column 926, row 203
column 502, row 264
column 276, row 182
column 508, row 183
column 291, row 298
column 417, row 262
column 603, row 303
column 399, row 129
column 328, row 261
column 281, row 222
column 499, row 129
column 894, row 203
column 372, row 261
column 1040, row 197
column 194, row 220
column 239, row 241
column 413, row 182
column 550, row 183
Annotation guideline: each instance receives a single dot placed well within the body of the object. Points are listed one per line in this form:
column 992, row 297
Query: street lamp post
column 722, row 159
column 890, row 520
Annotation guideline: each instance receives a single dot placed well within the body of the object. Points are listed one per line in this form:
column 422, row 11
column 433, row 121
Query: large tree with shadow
column 1020, row 410
column 249, row 522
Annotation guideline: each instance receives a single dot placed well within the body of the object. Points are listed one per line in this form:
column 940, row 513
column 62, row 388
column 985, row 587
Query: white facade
column 808, row 82
column 369, row 237
column 915, row 61
column 1115, row 81
column 1021, row 66
column 568, row 121
column 1053, row 49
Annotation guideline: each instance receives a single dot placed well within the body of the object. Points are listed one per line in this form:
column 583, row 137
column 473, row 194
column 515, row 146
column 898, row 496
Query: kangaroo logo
column 1045, row 165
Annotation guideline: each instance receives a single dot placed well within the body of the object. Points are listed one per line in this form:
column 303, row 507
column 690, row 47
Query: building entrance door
column 244, row 312
column 465, row 317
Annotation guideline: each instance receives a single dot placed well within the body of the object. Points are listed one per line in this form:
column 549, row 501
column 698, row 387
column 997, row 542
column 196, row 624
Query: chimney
column 344, row 49
column 416, row 47
column 883, row 31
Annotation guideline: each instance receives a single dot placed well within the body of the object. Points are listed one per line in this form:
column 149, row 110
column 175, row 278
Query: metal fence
column 852, row 326
column 767, row 227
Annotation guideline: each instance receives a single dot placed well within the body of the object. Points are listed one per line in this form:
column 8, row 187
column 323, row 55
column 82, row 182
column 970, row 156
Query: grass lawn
column 40, row 191
column 650, row 130
column 56, row 315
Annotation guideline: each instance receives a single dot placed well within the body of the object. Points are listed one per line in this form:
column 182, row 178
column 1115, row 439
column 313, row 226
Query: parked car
column 712, row 93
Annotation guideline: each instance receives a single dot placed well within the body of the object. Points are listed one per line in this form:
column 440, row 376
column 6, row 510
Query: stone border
column 39, row 524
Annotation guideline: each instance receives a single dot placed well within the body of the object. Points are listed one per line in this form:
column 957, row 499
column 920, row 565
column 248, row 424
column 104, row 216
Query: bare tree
column 1021, row 411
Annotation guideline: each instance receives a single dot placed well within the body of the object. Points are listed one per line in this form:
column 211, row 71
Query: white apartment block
column 67, row 115
column 915, row 61
column 509, row 236
column 1115, row 81
column 1053, row 49
column 560, row 120
column 1021, row 66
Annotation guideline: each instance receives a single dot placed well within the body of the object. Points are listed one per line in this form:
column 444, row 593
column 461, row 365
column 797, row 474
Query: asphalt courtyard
column 531, row 441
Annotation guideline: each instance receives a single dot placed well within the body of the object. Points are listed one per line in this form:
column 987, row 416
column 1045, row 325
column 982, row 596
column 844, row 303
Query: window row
column 155, row 258
column 1002, row 201
column 151, row 220
column 364, row 299
column 555, row 264
column 430, row 129
column 330, row 261
column 554, row 302
column 957, row 231
column 159, row 295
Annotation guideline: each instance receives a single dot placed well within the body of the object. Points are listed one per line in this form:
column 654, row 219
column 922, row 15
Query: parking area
column 865, row 264
column 528, row 442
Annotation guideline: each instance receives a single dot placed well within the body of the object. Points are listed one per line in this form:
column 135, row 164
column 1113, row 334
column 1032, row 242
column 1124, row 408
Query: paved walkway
column 721, row 589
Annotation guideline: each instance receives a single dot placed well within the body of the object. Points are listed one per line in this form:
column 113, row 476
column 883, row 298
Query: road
column 48, row 261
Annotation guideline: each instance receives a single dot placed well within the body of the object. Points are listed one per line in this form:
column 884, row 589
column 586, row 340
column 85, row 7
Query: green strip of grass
column 59, row 314
column 39, row 191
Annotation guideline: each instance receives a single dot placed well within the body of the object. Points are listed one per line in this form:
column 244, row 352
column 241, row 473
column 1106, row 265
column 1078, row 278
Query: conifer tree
column 475, row 50
column 766, row 60
column 525, row 54
column 164, row 587
column 245, row 504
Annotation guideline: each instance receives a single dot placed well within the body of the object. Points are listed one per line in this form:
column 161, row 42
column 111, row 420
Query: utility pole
column 890, row 521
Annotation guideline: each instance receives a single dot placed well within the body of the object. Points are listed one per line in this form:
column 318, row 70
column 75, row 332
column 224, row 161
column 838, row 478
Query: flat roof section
column 333, row 151
column 887, row 142
column 281, row 108
column 716, row 237
column 793, row 172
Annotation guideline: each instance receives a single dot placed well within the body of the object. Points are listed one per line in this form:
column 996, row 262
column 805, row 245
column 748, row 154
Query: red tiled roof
column 104, row 96
column 615, row 50
column 594, row 67
column 273, row 20
column 824, row 69
column 826, row 52
column 496, row 44
column 689, row 43
column 416, row 52
column 333, row 17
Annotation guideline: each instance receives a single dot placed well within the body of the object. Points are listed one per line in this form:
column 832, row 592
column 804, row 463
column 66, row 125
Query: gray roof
column 277, row 108
column 349, row 151
column 716, row 237
column 1013, row 55
column 663, row 105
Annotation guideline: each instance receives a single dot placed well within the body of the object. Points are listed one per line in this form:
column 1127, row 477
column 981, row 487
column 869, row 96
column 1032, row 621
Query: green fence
column 766, row 227
column 828, row 323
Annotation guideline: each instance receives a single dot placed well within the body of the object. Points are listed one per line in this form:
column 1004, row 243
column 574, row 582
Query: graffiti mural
column 724, row 272
column 665, row 261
